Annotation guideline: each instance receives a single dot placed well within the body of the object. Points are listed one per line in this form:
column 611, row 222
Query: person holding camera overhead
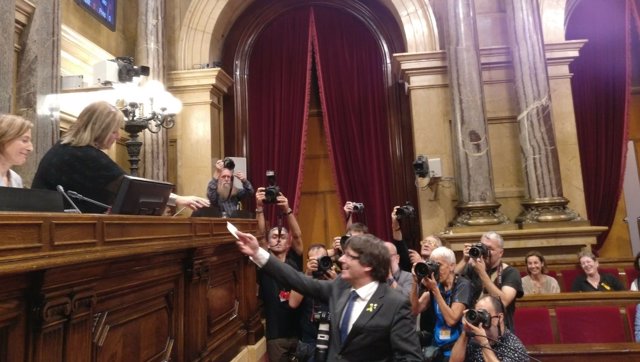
column 282, row 321
column 485, row 336
column 221, row 191
column 314, row 311
column 437, row 287
column 482, row 264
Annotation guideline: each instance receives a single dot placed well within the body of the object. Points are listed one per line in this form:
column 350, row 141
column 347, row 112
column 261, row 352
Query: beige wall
column 122, row 42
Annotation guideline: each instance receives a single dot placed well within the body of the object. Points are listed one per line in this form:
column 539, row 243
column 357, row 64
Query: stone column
column 7, row 25
column 199, row 130
column 543, row 199
column 38, row 76
column 150, row 52
column 474, row 182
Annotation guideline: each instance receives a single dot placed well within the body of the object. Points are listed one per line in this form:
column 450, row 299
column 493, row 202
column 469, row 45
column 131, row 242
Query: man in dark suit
column 369, row 320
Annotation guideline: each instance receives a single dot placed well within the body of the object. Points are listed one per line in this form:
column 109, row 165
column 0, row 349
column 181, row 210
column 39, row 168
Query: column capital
column 197, row 79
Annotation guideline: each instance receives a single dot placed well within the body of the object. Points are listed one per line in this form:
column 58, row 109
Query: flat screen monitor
column 19, row 199
column 104, row 10
column 141, row 196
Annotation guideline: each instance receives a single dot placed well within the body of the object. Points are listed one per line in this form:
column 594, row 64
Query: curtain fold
column 352, row 95
column 601, row 92
column 278, row 98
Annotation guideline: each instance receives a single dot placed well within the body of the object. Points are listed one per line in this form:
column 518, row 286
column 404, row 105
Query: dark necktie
column 344, row 326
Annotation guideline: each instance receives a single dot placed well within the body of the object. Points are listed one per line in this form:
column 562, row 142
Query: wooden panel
column 124, row 288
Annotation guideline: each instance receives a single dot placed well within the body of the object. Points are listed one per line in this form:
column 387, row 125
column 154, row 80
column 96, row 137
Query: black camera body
column 321, row 316
column 421, row 166
column 358, row 207
column 229, row 164
column 272, row 191
column 324, row 264
column 424, row 269
column 405, row 211
column 478, row 250
column 343, row 240
column 478, row 317
column 127, row 71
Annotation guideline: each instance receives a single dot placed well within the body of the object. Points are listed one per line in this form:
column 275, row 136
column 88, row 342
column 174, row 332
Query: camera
column 343, row 240
column 478, row 317
column 229, row 164
column 323, row 319
column 358, row 207
column 127, row 71
column 324, row 264
column 421, row 166
column 405, row 211
column 423, row 269
column 478, row 250
column 272, row 191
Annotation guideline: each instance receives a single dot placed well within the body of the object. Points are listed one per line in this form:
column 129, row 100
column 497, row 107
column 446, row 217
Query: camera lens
column 478, row 250
column 478, row 317
column 229, row 164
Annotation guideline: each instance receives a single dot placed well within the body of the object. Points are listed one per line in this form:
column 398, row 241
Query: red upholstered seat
column 533, row 325
column 631, row 317
column 590, row 324
column 568, row 276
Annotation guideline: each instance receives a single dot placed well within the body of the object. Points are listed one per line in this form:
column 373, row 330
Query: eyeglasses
column 351, row 256
column 428, row 242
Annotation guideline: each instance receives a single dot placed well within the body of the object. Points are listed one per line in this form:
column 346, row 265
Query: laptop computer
column 35, row 200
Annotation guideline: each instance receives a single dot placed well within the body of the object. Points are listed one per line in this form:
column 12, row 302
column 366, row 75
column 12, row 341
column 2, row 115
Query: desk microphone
column 76, row 195
column 75, row 209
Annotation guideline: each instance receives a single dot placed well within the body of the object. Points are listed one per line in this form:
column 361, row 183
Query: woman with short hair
column 592, row 280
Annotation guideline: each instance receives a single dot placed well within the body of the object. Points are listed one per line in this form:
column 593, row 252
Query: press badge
column 445, row 334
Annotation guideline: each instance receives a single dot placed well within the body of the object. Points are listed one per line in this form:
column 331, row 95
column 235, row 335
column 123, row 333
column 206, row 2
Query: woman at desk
column 15, row 147
column 78, row 163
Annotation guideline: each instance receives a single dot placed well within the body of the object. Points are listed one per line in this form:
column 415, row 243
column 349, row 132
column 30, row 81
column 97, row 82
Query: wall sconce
column 162, row 107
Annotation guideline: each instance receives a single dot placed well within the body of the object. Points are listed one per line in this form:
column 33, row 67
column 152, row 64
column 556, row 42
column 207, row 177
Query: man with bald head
column 399, row 280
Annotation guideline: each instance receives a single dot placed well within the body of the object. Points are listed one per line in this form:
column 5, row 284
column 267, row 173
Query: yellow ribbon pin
column 372, row 307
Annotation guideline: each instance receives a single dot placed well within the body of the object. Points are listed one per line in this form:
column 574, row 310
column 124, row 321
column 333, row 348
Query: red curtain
column 601, row 92
column 350, row 73
column 278, row 98
column 352, row 95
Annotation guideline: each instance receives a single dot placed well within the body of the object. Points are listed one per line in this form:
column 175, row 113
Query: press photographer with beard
column 485, row 336
column 314, row 311
column 482, row 264
column 221, row 191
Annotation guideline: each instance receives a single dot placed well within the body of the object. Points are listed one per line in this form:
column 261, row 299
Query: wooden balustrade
column 124, row 288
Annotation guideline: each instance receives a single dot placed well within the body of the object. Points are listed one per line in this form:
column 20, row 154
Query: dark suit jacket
column 384, row 331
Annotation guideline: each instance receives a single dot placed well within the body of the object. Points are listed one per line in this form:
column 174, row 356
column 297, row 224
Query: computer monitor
column 141, row 196
column 37, row 200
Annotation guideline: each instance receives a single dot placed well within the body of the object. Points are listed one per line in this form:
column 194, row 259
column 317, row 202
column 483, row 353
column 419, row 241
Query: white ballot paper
column 232, row 229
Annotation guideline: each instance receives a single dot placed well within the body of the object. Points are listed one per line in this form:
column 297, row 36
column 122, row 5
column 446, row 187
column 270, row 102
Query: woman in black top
column 78, row 162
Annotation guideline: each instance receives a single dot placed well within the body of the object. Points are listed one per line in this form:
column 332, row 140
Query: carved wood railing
column 111, row 287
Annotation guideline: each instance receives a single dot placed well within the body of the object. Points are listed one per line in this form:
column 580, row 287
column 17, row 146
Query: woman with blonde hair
column 78, row 162
column 537, row 281
column 15, row 147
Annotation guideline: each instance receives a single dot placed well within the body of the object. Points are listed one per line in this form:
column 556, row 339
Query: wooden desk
column 124, row 288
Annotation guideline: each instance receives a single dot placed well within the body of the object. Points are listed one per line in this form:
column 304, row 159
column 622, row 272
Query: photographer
column 405, row 254
column 484, row 336
column 221, row 191
column 447, row 294
column 282, row 322
column 399, row 280
column 313, row 311
column 482, row 264
column 352, row 230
